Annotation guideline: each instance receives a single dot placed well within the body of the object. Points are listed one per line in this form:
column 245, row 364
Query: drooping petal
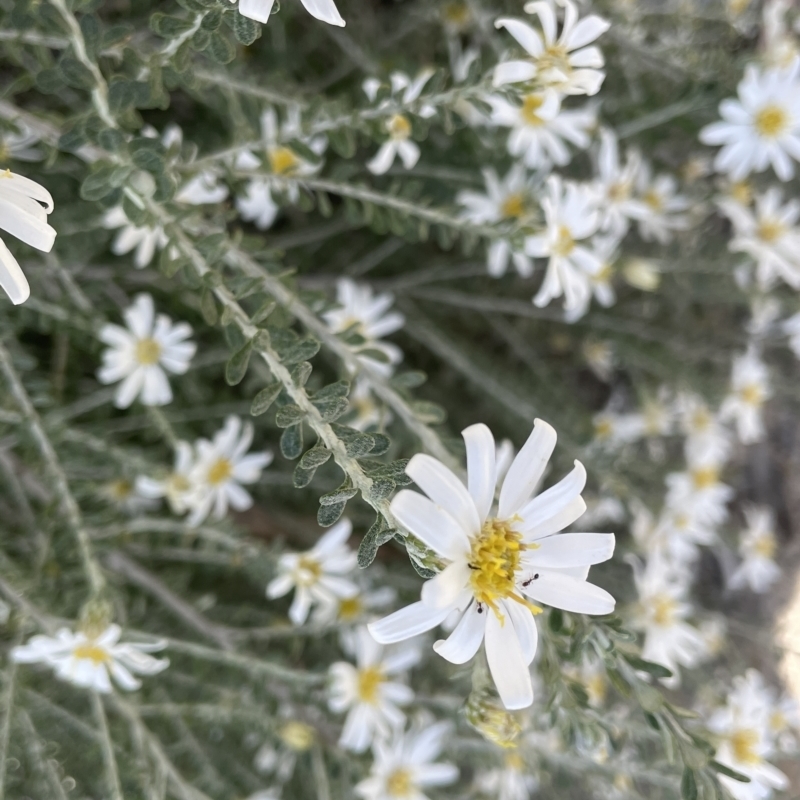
column 466, row 638
column 526, row 470
column 507, row 664
column 12, row 279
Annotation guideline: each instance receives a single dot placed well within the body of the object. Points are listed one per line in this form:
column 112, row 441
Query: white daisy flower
column 707, row 439
column 91, row 661
column 404, row 767
column 613, row 430
column 24, row 206
column 616, row 185
column 368, row 315
column 204, row 188
column 144, row 240
column 139, row 355
column 511, row 781
column 221, row 466
column 399, row 143
column 743, row 725
column 323, row 10
column 506, row 200
column 762, row 127
column 257, row 205
column 370, row 691
column 539, row 128
column 565, row 63
column 498, row 562
column 750, row 389
column 675, row 536
column 698, row 492
column 662, row 614
column 769, row 235
column 664, row 209
column 571, row 216
column 317, row 576
column 757, row 547
column 369, row 411
column 177, row 486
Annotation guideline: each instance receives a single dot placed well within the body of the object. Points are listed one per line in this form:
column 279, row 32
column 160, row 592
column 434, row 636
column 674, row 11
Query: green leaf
column 168, row 26
column 221, row 49
column 427, row 412
column 90, row 28
column 650, row 699
column 302, row 477
column 50, row 81
column 263, row 312
column 378, row 534
column 245, row 30
column 688, row 785
column 340, row 495
column 265, row 398
column 315, row 457
column 656, row 670
column 292, row 442
column 211, row 21
column 728, row 772
column 301, row 373
column 338, row 389
column 236, row 367
column 98, row 183
column 556, row 620
column 331, row 409
column 382, row 488
column 302, row 351
column 289, row 415
column 208, row 307
column 75, row 74
column 329, row 515
column 124, row 94
column 148, row 154
column 382, row 444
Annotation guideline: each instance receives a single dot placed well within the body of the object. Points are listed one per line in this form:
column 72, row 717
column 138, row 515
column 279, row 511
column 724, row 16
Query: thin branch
column 5, row 731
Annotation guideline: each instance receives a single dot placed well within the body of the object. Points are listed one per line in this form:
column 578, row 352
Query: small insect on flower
column 91, row 661
column 500, row 561
column 139, row 355
column 24, row 206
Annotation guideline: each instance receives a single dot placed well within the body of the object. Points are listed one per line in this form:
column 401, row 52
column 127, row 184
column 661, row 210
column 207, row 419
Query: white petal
column 507, row 664
column 569, row 594
column 259, row 10
column 562, row 519
column 443, row 590
column 406, row 623
column 513, row 72
column 527, row 469
column 525, row 625
column 12, row 280
column 445, row 489
column 431, row 524
column 324, row 10
column 555, row 500
column 481, row 467
column 523, row 33
column 572, row 550
column 466, row 638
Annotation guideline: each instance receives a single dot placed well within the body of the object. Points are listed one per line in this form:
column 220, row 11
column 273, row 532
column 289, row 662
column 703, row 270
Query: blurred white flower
column 221, row 466
column 757, row 547
column 317, row 576
column 762, row 127
column 91, row 661
column 498, row 564
column 511, row 781
column 663, row 208
column 571, row 216
column 257, row 205
column 370, row 691
column 139, row 355
column 145, row 240
column 177, row 486
column 750, row 389
column 323, row 10
column 399, row 143
column 24, row 207
column 404, row 765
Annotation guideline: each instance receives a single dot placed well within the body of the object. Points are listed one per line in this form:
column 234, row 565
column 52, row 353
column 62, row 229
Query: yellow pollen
column 596, row 688
column 770, row 230
column 220, row 471
column 514, row 761
column 654, row 200
column 618, row 192
column 494, row 564
column 663, row 609
column 148, row 351
column 120, row 490
column 350, row 608
column 705, row 477
column 555, row 56
column 282, row 160
column 297, row 735
column 565, row 244
column 741, row 192
column 752, row 394
column 399, row 127
column 743, row 743
column 530, row 105
column 771, row 121
column 399, row 783
column 513, row 206
column 603, row 428
column 308, row 571
column 369, row 681
column 765, row 546
column 91, row 652
column 6, row 173
column 457, row 14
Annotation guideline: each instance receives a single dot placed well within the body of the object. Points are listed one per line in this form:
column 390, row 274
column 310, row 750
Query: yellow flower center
column 494, row 563
column 654, row 200
column 770, row 230
column 297, row 735
column 6, row 173
column 531, row 103
column 603, row 428
column 604, row 275
column 514, row 761
column 741, row 192
column 120, row 490
column 148, row 352
column 778, row 721
column 177, row 484
column 555, row 56
column 350, row 608
column 771, row 121
column 513, row 206
column 618, row 192
column 752, row 394
column 220, row 471
column 743, row 743
column 705, row 477
column 91, row 652
column 701, row 420
column 765, row 546
column 596, row 688
column 565, row 244
column 399, row 127
column 457, row 14
column 308, row 571
column 662, row 608
column 399, row 783
column 282, row 160
column 369, row 681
